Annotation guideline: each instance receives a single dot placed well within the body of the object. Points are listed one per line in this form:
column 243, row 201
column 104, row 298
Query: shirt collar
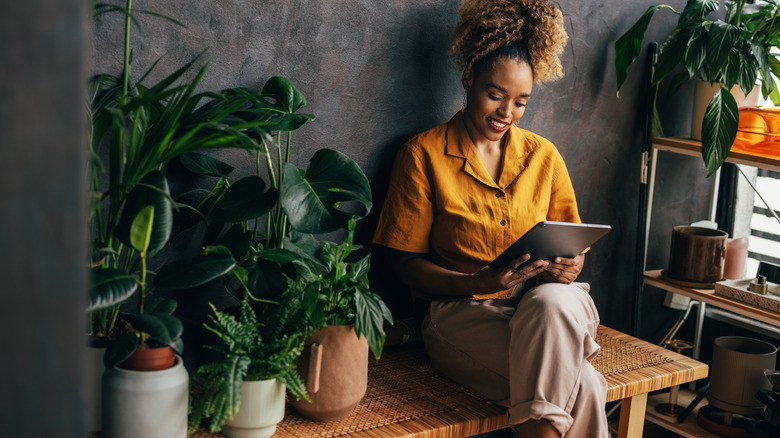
column 459, row 144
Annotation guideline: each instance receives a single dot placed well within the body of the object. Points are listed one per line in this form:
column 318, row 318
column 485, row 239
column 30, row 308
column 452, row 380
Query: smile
column 499, row 126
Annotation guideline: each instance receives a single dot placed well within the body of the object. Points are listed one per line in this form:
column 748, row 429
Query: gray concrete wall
column 376, row 73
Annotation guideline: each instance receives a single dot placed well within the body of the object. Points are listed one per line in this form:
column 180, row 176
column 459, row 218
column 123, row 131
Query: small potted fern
column 245, row 389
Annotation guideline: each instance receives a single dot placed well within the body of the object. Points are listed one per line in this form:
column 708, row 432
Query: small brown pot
column 334, row 365
column 150, row 359
column 697, row 255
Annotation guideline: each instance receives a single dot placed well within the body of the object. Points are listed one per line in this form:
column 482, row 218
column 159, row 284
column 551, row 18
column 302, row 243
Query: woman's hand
column 563, row 270
column 488, row 280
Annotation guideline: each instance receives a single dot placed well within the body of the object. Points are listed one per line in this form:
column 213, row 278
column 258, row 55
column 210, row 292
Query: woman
column 461, row 193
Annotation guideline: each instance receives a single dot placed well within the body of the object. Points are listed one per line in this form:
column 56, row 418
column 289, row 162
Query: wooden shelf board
column 689, row 428
column 688, row 146
column 653, row 278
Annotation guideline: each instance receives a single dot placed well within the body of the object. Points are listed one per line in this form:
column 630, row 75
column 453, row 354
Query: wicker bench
column 406, row 397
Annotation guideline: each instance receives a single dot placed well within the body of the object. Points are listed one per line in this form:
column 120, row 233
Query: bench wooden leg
column 632, row 416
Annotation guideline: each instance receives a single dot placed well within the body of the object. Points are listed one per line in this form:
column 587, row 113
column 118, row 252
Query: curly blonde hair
column 487, row 25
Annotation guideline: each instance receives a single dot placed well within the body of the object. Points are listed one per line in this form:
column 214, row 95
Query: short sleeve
column 407, row 214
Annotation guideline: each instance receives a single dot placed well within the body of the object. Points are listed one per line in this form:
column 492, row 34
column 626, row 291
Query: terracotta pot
column 150, row 359
column 334, row 365
column 697, row 254
column 149, row 404
column 261, row 408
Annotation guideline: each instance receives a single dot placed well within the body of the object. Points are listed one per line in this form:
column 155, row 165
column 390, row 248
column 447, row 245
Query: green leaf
column 205, row 165
column 695, row 52
column 762, row 57
column 312, row 201
column 245, row 200
column 720, row 40
column 265, row 280
column 629, row 45
column 238, row 241
column 369, row 320
column 152, row 190
column 696, row 11
column 160, row 305
column 153, row 325
column 671, row 54
column 194, row 271
column 141, row 229
column 120, row 349
column 719, row 128
column 284, row 93
column 110, row 287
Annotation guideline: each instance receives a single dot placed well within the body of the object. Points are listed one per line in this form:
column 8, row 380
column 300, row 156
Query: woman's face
column 496, row 98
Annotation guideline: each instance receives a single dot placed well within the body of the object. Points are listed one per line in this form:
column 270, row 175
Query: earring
column 464, row 103
column 517, row 123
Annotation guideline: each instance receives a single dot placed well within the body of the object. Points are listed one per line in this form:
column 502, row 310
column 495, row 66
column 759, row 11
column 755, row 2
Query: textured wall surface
column 376, row 73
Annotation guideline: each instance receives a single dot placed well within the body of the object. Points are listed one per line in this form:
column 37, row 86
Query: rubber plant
column 135, row 129
column 271, row 231
column 733, row 51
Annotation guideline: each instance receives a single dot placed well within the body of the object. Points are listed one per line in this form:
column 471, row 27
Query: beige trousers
column 530, row 353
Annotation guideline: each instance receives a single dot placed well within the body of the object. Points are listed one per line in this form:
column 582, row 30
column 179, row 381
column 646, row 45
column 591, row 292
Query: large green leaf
column 264, row 279
column 141, row 229
column 369, row 321
column 312, row 200
column 695, row 51
column 194, row 271
column 152, row 190
column 284, row 93
column 205, row 165
column 720, row 41
column 245, row 200
column 696, row 10
column 719, row 128
column 238, row 241
column 671, row 54
column 120, row 349
column 629, row 45
column 110, row 287
column 161, row 327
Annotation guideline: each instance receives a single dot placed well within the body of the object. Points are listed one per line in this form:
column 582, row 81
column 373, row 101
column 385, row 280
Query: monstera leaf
column 312, row 199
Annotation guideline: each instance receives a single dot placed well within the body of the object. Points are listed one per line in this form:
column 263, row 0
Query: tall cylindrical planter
column 262, row 407
column 149, row 404
column 702, row 95
column 334, row 365
column 737, row 373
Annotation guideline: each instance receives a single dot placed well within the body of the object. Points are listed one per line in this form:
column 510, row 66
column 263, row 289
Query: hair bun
column 486, row 25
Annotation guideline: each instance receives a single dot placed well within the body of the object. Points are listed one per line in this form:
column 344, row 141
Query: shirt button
column 500, row 195
column 503, row 222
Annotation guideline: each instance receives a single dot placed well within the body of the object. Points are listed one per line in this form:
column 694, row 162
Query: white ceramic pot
column 149, row 404
column 703, row 94
column 261, row 408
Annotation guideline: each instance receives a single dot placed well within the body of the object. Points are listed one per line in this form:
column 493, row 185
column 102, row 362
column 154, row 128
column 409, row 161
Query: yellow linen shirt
column 442, row 202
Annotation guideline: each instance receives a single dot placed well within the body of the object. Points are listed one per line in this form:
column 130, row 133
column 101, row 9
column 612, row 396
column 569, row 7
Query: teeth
column 498, row 124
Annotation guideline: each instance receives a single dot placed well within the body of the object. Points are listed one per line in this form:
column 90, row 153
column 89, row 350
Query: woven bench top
column 406, row 397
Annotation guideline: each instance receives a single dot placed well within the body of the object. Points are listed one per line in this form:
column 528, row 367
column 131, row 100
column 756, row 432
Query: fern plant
column 250, row 351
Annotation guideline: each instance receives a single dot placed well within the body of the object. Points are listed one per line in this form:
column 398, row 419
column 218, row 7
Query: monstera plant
column 271, row 229
column 736, row 50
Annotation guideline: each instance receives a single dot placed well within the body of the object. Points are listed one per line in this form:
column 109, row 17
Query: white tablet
column 549, row 239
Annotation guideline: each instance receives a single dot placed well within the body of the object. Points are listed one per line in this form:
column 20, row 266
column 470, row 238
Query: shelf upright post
column 642, row 216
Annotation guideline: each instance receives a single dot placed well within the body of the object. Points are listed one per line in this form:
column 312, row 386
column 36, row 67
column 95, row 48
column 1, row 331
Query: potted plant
column 135, row 129
column 271, row 232
column 731, row 52
column 244, row 390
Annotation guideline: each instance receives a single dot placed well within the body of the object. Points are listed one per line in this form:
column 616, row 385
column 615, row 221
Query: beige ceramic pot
column 702, row 95
column 334, row 365
column 261, row 409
